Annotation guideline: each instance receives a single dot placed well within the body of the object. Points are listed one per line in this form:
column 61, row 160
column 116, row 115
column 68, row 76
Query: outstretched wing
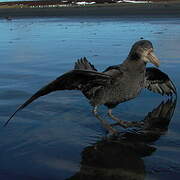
column 159, row 82
column 73, row 80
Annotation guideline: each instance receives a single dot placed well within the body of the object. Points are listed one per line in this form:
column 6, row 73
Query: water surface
column 55, row 137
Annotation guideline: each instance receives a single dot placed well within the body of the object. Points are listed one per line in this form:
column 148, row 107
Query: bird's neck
column 135, row 65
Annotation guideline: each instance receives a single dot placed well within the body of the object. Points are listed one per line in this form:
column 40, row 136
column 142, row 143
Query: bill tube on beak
column 153, row 59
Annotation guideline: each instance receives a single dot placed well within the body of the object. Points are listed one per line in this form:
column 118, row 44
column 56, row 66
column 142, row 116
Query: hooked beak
column 153, row 59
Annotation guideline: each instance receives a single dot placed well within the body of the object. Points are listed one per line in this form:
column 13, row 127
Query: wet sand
column 152, row 10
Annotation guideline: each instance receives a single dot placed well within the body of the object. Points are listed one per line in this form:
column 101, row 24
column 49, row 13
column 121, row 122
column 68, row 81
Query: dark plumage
column 115, row 85
column 159, row 82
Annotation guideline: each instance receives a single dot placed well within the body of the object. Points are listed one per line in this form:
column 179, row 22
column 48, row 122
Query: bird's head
column 143, row 50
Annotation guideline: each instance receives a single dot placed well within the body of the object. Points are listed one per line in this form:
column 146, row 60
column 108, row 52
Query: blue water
column 57, row 137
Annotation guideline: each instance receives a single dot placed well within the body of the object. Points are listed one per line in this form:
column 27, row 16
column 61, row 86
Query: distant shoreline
column 118, row 10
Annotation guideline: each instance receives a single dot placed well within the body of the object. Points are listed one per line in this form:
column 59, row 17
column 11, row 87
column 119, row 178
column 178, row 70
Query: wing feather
column 84, row 64
column 159, row 82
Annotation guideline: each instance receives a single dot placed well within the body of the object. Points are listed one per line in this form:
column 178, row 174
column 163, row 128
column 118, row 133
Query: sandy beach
column 148, row 10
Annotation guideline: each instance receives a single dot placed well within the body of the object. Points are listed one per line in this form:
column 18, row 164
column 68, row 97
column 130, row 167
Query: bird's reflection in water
column 121, row 157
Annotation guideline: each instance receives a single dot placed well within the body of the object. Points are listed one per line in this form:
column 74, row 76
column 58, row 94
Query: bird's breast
column 119, row 90
column 126, row 89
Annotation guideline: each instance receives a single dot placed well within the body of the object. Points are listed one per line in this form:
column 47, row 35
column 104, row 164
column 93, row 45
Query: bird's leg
column 104, row 122
column 124, row 124
column 119, row 121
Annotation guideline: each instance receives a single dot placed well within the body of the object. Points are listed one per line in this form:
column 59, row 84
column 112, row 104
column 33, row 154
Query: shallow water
column 57, row 137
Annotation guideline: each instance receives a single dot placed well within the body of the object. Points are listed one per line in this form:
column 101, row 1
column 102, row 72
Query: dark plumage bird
column 115, row 85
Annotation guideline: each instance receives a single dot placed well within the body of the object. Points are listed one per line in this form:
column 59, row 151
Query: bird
column 113, row 86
